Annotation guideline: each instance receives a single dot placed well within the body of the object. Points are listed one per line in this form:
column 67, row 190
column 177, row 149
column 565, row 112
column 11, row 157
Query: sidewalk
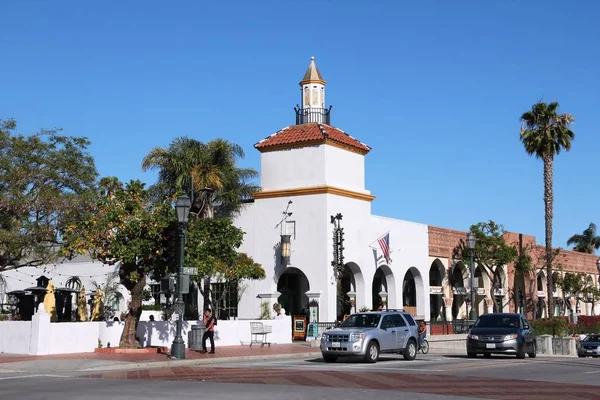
column 10, row 363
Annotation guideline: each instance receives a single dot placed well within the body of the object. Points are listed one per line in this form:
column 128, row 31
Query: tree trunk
column 548, row 202
column 206, row 295
column 128, row 339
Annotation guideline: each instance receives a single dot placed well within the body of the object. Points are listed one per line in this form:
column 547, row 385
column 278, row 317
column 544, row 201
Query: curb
column 216, row 360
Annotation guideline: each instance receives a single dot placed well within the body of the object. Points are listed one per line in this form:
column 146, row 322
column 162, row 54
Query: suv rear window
column 410, row 319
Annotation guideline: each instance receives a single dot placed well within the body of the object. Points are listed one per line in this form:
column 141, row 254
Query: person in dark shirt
column 209, row 331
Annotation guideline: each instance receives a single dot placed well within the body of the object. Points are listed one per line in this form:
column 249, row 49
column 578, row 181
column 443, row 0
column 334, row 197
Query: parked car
column 589, row 346
column 501, row 333
column 368, row 334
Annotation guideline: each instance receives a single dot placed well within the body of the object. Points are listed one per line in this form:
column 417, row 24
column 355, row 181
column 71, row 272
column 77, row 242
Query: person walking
column 209, row 331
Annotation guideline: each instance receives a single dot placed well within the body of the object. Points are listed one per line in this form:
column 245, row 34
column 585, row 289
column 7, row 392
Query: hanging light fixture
column 286, row 249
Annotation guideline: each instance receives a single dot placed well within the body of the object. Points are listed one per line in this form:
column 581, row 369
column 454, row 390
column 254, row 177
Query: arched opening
column 589, row 299
column 457, row 282
column 413, row 293
column 540, row 305
column 345, row 284
column 293, row 285
column 558, row 302
column 500, row 291
column 354, row 280
column 383, row 280
column 436, row 303
column 480, row 304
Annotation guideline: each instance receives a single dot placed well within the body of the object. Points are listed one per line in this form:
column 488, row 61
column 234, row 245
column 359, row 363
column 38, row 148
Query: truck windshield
column 361, row 321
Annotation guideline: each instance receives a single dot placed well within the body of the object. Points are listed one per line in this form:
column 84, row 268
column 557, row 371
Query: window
column 410, row 319
column 398, row 321
column 224, row 298
column 290, row 228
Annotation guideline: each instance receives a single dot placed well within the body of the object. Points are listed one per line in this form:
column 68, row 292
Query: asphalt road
column 54, row 388
column 570, row 370
column 431, row 376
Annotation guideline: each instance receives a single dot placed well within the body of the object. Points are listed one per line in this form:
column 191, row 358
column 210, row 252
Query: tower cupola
column 312, row 88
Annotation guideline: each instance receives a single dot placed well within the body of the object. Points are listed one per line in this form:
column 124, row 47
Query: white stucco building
column 310, row 173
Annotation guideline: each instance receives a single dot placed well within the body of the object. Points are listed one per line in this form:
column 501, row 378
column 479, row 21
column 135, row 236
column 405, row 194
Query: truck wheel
column 410, row 352
column 372, row 353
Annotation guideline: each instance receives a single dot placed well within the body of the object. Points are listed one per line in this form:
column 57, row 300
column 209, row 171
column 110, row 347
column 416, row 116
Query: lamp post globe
column 182, row 206
column 471, row 240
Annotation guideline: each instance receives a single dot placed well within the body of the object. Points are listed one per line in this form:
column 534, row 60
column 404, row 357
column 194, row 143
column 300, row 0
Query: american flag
column 384, row 243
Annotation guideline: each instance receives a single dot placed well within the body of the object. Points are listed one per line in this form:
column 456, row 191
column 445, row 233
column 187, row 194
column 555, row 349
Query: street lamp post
column 183, row 211
column 471, row 246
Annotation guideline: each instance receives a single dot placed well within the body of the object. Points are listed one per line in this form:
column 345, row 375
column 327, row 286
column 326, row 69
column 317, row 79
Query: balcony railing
column 307, row 115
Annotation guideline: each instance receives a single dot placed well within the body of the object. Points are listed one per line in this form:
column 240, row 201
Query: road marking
column 592, row 372
column 33, row 376
column 504, row 364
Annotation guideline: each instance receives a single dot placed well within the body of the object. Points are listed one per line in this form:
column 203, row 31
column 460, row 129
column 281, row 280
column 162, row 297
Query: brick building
column 449, row 280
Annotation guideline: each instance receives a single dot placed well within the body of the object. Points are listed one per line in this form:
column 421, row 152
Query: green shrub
column 555, row 326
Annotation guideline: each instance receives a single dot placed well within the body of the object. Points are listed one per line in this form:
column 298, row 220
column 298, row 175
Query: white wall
column 25, row 337
column 72, row 337
column 312, row 166
column 312, row 249
column 227, row 333
column 279, row 169
column 345, row 169
column 308, row 249
column 15, row 337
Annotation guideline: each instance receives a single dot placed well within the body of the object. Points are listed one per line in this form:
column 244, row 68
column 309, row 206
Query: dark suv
column 502, row 333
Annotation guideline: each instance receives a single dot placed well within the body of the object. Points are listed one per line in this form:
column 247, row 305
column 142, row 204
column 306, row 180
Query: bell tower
column 312, row 93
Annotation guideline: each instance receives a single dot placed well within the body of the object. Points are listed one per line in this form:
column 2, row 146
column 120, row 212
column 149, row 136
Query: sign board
column 436, row 290
column 190, row 270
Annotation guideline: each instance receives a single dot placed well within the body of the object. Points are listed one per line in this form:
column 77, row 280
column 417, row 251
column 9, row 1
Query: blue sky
column 436, row 88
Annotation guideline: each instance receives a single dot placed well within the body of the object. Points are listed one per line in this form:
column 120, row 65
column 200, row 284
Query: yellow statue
column 50, row 302
column 82, row 305
column 98, row 305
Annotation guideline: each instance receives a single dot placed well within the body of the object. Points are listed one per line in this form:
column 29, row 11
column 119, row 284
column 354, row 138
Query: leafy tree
column 544, row 133
column 127, row 229
column 588, row 242
column 46, row 180
column 491, row 253
column 209, row 172
column 576, row 285
column 212, row 248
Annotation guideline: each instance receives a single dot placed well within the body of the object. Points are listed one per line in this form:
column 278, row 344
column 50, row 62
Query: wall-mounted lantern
column 352, row 295
column 286, row 249
column 384, row 298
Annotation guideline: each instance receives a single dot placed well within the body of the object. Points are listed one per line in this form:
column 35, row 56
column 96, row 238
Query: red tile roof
column 310, row 134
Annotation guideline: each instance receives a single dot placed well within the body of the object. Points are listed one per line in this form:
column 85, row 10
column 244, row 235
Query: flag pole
column 376, row 240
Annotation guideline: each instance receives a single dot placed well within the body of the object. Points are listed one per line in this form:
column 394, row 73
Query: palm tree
column 108, row 185
column 112, row 294
column 544, row 133
column 191, row 166
column 587, row 242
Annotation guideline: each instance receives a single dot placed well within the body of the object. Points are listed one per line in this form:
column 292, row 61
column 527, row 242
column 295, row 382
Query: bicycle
column 424, row 347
